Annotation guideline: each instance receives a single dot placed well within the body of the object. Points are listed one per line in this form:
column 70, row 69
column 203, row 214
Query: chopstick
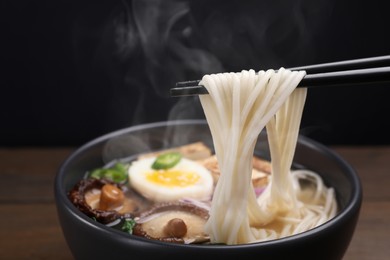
column 350, row 72
column 373, row 62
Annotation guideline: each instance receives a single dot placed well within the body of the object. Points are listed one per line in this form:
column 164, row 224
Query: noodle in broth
column 239, row 106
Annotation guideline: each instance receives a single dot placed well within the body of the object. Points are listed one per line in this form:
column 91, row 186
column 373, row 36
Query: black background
column 74, row 70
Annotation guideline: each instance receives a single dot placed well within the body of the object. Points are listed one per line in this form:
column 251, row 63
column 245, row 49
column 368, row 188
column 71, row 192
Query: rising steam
column 144, row 47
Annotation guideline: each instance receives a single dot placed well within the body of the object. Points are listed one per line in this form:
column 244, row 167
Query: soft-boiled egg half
column 187, row 179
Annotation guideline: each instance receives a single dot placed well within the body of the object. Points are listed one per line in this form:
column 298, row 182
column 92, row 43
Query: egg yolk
column 173, row 178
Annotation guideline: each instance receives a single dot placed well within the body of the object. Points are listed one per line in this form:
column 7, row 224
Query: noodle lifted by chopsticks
column 239, row 106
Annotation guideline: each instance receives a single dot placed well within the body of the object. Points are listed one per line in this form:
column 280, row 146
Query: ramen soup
column 225, row 193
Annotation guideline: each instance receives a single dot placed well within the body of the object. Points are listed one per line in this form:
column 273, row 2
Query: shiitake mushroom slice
column 175, row 222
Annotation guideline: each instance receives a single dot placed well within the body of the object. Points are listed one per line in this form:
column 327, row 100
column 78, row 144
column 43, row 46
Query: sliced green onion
column 128, row 225
column 166, row 160
column 117, row 173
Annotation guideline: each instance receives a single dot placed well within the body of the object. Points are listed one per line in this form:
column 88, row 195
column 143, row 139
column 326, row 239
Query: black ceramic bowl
column 88, row 239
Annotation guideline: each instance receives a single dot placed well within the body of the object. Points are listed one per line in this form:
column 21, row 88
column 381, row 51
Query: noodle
column 239, row 106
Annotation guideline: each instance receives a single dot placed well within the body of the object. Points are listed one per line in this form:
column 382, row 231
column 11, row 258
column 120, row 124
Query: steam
column 165, row 29
column 161, row 35
column 145, row 47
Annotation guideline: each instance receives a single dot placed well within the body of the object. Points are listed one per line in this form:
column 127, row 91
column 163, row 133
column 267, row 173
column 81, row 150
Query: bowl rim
column 60, row 193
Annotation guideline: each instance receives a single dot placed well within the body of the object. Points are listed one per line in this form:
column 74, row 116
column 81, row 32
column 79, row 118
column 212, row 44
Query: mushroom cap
column 77, row 196
column 158, row 222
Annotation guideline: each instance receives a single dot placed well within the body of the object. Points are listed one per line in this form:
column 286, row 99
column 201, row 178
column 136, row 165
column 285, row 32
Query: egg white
column 201, row 190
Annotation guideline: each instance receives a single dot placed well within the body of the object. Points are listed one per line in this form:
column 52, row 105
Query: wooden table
column 29, row 228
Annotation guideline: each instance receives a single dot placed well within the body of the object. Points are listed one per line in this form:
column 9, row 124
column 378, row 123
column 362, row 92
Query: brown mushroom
column 105, row 200
column 111, row 197
column 177, row 222
column 176, row 227
column 77, row 197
